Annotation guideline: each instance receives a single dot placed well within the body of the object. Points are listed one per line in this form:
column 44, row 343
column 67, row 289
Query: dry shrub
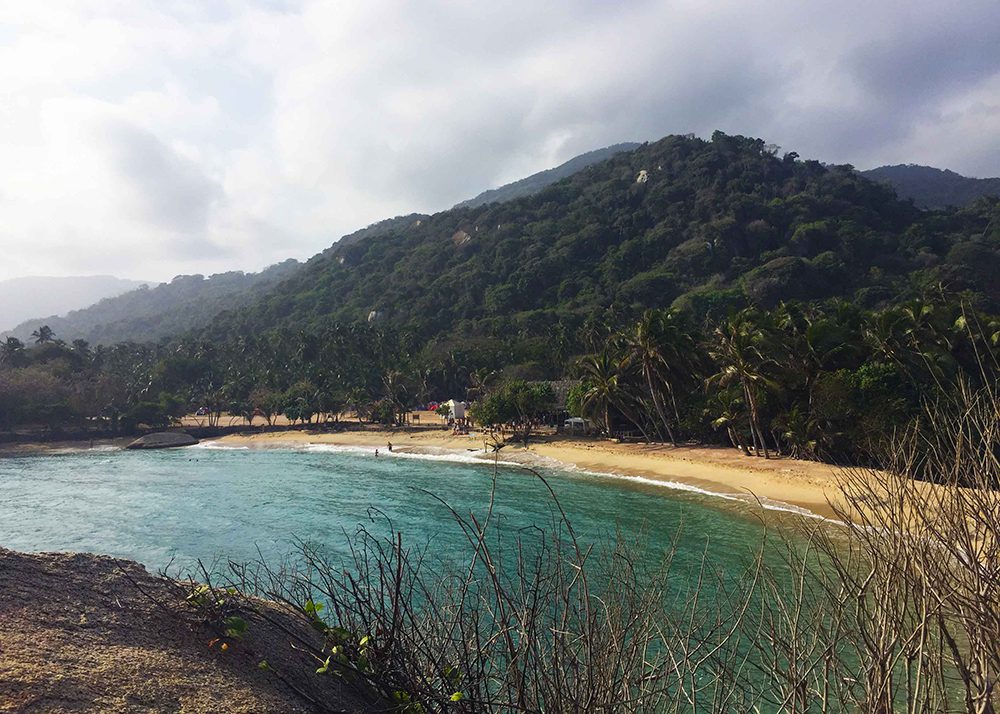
column 897, row 609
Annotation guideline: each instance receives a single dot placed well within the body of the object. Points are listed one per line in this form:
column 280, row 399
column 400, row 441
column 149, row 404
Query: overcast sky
column 147, row 138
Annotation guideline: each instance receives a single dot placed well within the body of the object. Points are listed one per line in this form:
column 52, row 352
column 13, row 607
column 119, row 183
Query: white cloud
column 150, row 137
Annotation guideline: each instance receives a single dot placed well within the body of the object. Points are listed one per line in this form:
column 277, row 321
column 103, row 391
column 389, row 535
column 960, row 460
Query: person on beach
column 390, row 447
column 376, row 453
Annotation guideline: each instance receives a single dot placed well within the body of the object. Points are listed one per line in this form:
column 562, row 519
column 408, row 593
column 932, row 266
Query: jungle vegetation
column 707, row 291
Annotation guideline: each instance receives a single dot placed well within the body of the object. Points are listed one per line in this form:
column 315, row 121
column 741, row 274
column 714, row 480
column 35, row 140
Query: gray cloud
column 170, row 191
column 253, row 132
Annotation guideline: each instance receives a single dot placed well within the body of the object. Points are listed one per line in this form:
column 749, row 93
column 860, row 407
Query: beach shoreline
column 780, row 483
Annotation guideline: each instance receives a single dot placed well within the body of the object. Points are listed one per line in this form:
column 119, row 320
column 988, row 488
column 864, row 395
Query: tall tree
column 602, row 386
column 43, row 334
column 740, row 351
column 645, row 349
column 12, row 352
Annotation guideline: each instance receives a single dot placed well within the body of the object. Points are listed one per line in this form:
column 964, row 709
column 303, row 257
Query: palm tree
column 817, row 342
column 738, row 351
column 396, row 393
column 729, row 406
column 646, row 350
column 602, row 390
column 12, row 352
column 479, row 383
column 43, row 334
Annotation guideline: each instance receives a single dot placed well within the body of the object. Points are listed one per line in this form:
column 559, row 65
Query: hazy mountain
column 186, row 303
column 189, row 302
column 934, row 188
column 536, row 182
column 701, row 225
column 25, row 298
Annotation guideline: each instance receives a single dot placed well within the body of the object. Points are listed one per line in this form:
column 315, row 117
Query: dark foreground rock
column 87, row 633
column 163, row 440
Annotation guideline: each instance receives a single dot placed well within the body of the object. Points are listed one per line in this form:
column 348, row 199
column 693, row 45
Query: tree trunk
column 673, row 401
column 631, row 416
column 659, row 407
column 755, row 420
column 734, row 438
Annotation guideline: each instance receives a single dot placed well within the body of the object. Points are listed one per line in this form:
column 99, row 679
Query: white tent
column 457, row 409
column 577, row 425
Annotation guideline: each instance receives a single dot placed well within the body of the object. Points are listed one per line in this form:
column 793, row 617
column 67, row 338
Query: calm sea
column 208, row 503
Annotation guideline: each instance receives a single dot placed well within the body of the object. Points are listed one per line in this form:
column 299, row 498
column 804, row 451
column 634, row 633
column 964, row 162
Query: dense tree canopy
column 704, row 226
column 700, row 290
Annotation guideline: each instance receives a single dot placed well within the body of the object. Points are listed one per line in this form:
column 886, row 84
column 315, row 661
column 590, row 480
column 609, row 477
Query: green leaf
column 457, row 697
column 313, row 608
column 235, row 626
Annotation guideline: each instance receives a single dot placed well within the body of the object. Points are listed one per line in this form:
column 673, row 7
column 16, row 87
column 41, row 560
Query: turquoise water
column 183, row 505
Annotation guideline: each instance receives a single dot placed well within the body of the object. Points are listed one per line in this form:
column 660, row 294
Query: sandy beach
column 805, row 485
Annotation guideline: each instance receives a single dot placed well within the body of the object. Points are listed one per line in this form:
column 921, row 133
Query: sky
column 150, row 138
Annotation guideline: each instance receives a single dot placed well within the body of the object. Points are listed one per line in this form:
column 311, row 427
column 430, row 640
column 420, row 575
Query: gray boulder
column 163, row 440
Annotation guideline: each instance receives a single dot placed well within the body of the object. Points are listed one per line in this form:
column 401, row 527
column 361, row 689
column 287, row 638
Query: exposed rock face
column 163, row 440
column 88, row 633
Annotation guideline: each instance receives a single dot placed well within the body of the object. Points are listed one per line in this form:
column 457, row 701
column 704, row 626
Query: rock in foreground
column 88, row 633
column 163, row 440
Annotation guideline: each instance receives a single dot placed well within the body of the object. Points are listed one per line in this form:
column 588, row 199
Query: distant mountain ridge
column 531, row 185
column 933, row 188
column 522, row 188
column 190, row 302
column 684, row 221
column 148, row 314
column 24, row 298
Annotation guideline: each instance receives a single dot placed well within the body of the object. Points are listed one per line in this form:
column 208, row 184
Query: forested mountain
column 378, row 229
column 934, row 188
column 517, row 189
column 24, row 298
column 145, row 314
column 705, row 226
column 536, row 182
column 705, row 290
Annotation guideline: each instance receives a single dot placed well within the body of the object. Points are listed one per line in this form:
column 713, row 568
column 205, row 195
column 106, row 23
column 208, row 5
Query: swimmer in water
column 376, row 453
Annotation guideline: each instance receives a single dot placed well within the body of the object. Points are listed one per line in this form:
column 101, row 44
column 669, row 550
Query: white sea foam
column 426, row 454
column 747, row 498
column 530, row 460
column 218, row 446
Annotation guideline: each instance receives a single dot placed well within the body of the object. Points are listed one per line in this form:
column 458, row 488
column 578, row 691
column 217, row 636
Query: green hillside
column 24, row 298
column 187, row 302
column 804, row 309
column 934, row 188
column 702, row 225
